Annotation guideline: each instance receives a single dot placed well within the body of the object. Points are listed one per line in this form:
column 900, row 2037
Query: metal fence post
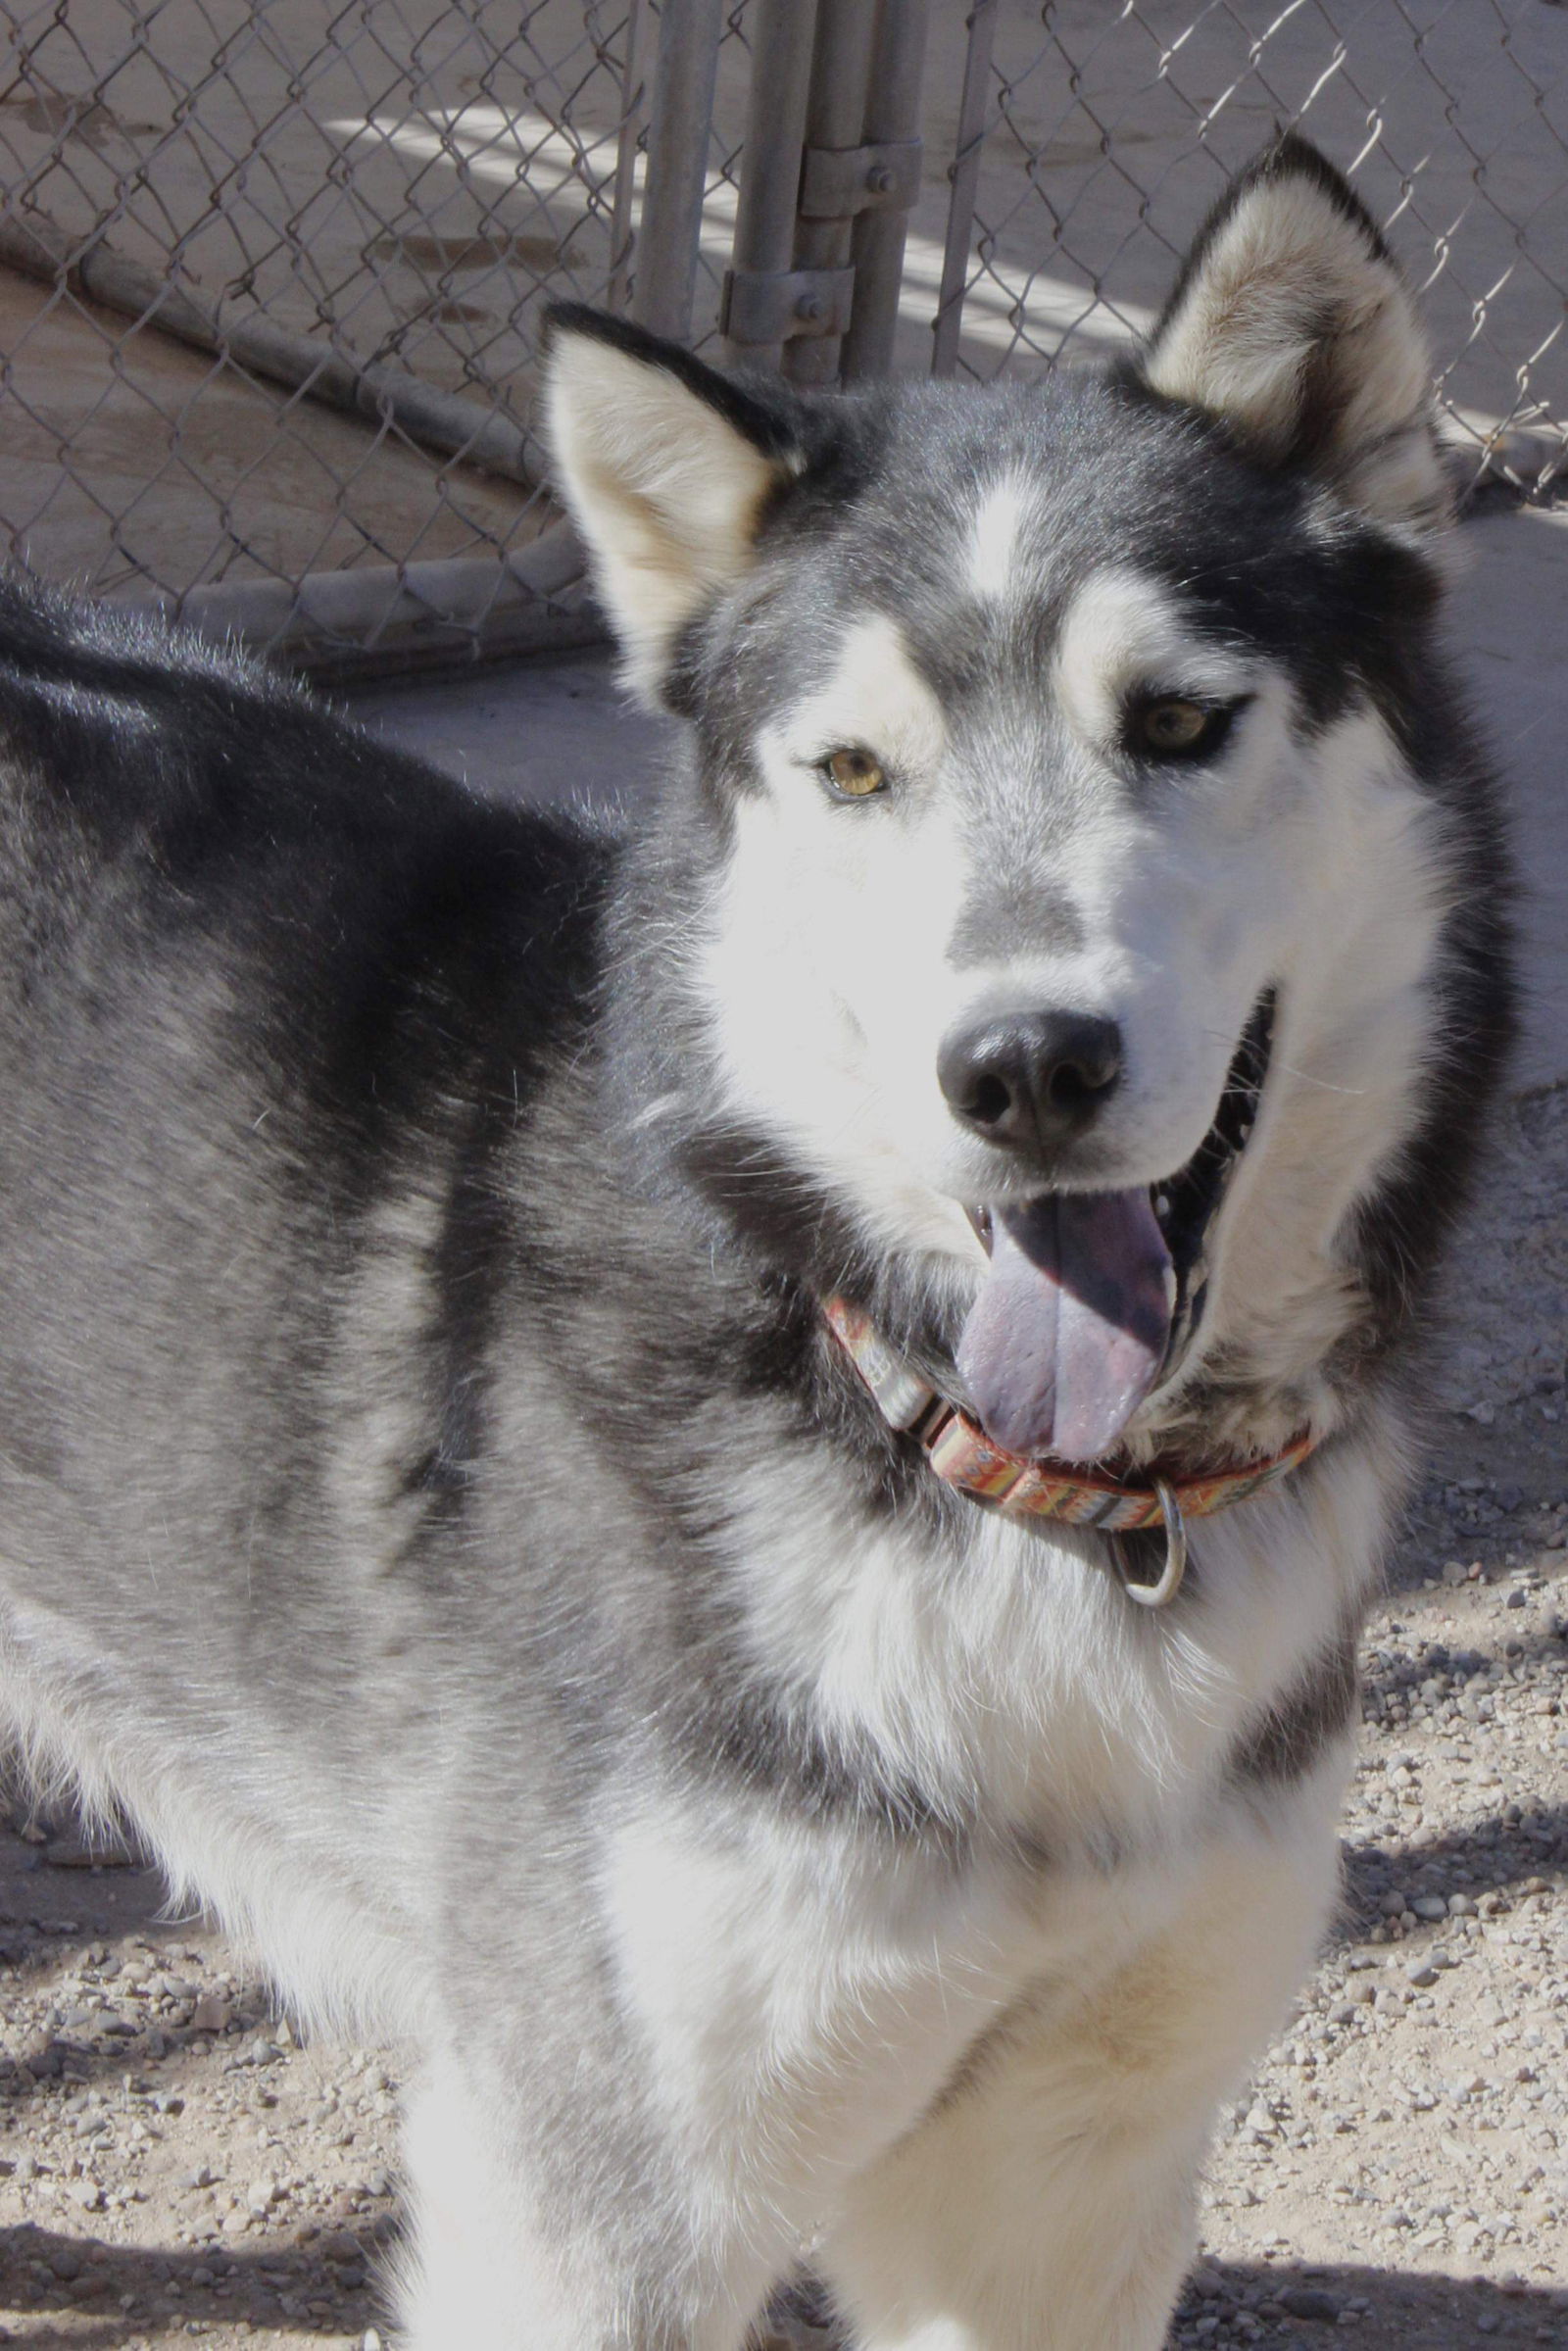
column 973, row 110
column 634, row 113
column 689, row 34
column 840, row 77
column 876, row 247
column 771, row 172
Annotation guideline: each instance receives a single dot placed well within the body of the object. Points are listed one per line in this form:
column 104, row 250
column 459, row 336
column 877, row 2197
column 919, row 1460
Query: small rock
column 1430, row 1906
column 65, row 2261
column 1310, row 2302
column 210, row 2014
column 262, row 2194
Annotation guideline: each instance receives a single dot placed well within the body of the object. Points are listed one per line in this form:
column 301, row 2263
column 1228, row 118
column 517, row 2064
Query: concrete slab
column 1509, row 625
column 183, row 469
column 540, row 731
column 561, row 730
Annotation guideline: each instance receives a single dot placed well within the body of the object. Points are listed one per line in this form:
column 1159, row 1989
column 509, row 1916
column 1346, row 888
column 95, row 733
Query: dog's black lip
column 980, row 1218
column 1186, row 1203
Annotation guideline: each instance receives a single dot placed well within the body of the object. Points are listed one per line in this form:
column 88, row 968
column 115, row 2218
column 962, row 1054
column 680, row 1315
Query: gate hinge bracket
column 773, row 306
column 839, row 182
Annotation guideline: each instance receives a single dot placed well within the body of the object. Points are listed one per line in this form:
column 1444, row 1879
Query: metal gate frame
column 830, row 167
column 831, row 164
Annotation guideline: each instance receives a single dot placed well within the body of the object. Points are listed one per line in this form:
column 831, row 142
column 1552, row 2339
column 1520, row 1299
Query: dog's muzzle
column 1092, row 1298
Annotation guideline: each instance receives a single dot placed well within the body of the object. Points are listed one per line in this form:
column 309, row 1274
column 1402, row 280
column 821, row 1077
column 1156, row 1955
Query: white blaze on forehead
column 1123, row 632
column 995, row 536
column 875, row 697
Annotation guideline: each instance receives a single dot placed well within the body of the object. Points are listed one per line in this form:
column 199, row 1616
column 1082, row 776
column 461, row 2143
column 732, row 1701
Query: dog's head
column 1055, row 755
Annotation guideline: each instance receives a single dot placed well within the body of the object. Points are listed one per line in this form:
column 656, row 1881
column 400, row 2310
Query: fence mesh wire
column 398, row 181
column 396, row 184
column 1112, row 128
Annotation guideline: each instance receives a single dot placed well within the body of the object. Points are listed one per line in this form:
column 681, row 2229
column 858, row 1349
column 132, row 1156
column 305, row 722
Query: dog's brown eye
column 1167, row 728
column 854, row 774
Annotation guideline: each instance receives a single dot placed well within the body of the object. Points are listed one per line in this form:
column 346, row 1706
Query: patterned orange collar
column 965, row 1457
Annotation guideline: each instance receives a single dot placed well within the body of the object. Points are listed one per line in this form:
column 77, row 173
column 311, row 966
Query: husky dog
column 587, row 1428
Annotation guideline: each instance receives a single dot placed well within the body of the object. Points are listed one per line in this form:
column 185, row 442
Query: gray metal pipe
column 973, row 106
column 876, row 246
column 633, row 112
column 37, row 247
column 678, row 133
column 840, row 77
column 770, row 160
column 403, row 615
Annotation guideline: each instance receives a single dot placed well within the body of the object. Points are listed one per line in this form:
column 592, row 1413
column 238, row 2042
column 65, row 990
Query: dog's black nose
column 1030, row 1081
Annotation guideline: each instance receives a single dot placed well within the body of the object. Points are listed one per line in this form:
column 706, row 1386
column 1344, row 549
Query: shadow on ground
column 1403, row 2308
column 1289, row 2304
column 44, row 2270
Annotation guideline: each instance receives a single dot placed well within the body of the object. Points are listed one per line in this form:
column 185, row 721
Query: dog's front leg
column 1047, row 2201
column 593, row 2249
column 632, row 2166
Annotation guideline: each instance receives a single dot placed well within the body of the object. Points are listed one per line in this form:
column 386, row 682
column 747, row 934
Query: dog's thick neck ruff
column 963, row 1458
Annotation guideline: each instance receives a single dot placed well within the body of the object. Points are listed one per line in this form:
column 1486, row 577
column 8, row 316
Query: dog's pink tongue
column 1070, row 1328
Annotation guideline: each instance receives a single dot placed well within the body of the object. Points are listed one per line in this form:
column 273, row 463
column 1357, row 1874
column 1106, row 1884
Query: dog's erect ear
column 1290, row 320
column 667, row 468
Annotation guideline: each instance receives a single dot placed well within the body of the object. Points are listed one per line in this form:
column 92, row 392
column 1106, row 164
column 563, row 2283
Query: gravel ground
column 176, row 2165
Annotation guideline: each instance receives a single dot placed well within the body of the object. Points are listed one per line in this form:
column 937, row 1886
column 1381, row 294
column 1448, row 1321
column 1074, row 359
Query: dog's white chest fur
column 835, row 1979
column 1015, row 1682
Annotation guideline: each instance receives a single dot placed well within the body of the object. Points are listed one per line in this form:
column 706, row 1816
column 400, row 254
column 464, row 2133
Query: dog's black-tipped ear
column 1292, row 323
column 667, row 468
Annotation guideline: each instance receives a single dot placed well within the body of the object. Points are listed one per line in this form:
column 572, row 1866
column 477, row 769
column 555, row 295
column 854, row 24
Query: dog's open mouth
column 1093, row 1298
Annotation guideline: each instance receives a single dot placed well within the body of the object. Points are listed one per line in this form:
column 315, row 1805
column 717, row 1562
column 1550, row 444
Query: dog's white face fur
column 1020, row 854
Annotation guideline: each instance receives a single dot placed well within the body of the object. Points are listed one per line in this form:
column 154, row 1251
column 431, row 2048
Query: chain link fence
column 270, row 276
column 1100, row 135
column 269, row 282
